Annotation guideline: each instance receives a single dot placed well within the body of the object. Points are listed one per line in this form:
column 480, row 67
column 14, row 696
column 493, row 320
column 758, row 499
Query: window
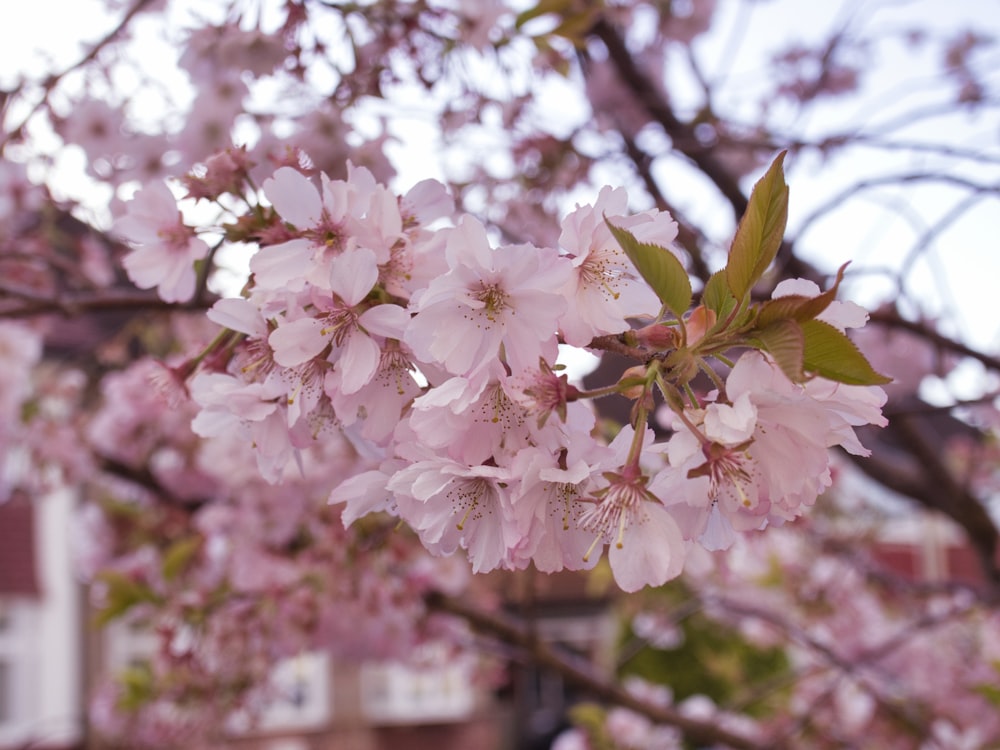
column 437, row 687
column 301, row 698
column 541, row 696
column 129, row 644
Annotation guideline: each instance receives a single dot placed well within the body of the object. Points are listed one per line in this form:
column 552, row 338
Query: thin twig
column 53, row 80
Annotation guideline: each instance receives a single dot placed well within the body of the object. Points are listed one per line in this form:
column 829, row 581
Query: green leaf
column 138, row 686
column 121, row 595
column 761, row 229
column 830, row 354
column 717, row 297
column 989, row 692
column 785, row 342
column 575, row 26
column 798, row 307
column 178, row 555
column 659, row 267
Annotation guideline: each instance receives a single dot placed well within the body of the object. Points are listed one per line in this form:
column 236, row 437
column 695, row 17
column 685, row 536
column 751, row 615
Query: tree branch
column 52, row 81
column 581, row 674
column 892, row 319
column 72, row 306
column 680, row 133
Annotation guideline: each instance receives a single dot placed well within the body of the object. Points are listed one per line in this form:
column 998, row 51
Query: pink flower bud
column 657, row 336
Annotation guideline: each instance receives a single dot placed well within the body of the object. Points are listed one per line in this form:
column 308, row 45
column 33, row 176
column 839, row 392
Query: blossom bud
column 633, row 389
column 657, row 336
column 699, row 322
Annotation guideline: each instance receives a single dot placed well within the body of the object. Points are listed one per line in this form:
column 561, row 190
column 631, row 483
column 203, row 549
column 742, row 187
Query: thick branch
column 24, row 306
column 683, row 139
column 143, row 477
column 892, row 181
column 578, row 672
column 680, row 133
column 892, row 319
column 926, row 479
column 864, row 666
column 688, row 236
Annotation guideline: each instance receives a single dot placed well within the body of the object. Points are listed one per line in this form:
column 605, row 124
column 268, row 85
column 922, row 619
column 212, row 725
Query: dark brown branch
column 892, row 319
column 952, row 499
column 616, row 343
column 688, row 236
column 580, row 673
column 892, row 181
column 683, row 139
column 908, row 713
column 891, row 411
column 680, row 133
column 71, row 306
column 776, row 141
column 144, row 478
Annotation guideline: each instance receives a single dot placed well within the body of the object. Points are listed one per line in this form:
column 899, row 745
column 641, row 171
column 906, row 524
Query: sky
column 955, row 274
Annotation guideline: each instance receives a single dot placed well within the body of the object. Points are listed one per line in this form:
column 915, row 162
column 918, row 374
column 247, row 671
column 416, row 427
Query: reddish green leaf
column 830, row 354
column 785, row 342
column 798, row 307
column 659, row 267
column 717, row 297
column 761, row 229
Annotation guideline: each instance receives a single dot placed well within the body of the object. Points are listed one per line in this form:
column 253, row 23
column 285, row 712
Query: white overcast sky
column 30, row 36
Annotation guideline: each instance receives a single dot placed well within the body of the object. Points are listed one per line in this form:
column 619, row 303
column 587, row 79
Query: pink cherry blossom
column 344, row 214
column 548, row 503
column 472, row 418
column 380, row 402
column 605, row 289
column 252, row 410
column 166, row 248
column 451, row 505
column 645, row 544
column 488, row 299
column 764, row 456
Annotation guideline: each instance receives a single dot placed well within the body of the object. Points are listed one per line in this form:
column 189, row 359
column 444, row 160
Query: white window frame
column 437, row 687
column 307, row 674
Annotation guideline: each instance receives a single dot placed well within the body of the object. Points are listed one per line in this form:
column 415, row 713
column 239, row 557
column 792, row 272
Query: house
column 41, row 665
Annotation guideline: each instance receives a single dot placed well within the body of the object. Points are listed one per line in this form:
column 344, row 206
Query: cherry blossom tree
column 300, row 344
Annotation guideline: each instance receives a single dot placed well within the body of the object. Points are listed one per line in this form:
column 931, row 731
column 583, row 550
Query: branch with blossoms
column 322, row 307
column 860, row 639
column 401, row 358
column 911, row 478
column 52, row 81
column 354, row 299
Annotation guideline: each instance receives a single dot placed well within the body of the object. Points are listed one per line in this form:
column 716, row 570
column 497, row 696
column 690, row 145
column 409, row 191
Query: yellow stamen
column 461, row 524
column 590, row 549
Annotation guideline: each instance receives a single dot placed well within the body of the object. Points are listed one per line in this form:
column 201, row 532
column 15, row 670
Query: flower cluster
column 187, row 546
column 382, row 320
